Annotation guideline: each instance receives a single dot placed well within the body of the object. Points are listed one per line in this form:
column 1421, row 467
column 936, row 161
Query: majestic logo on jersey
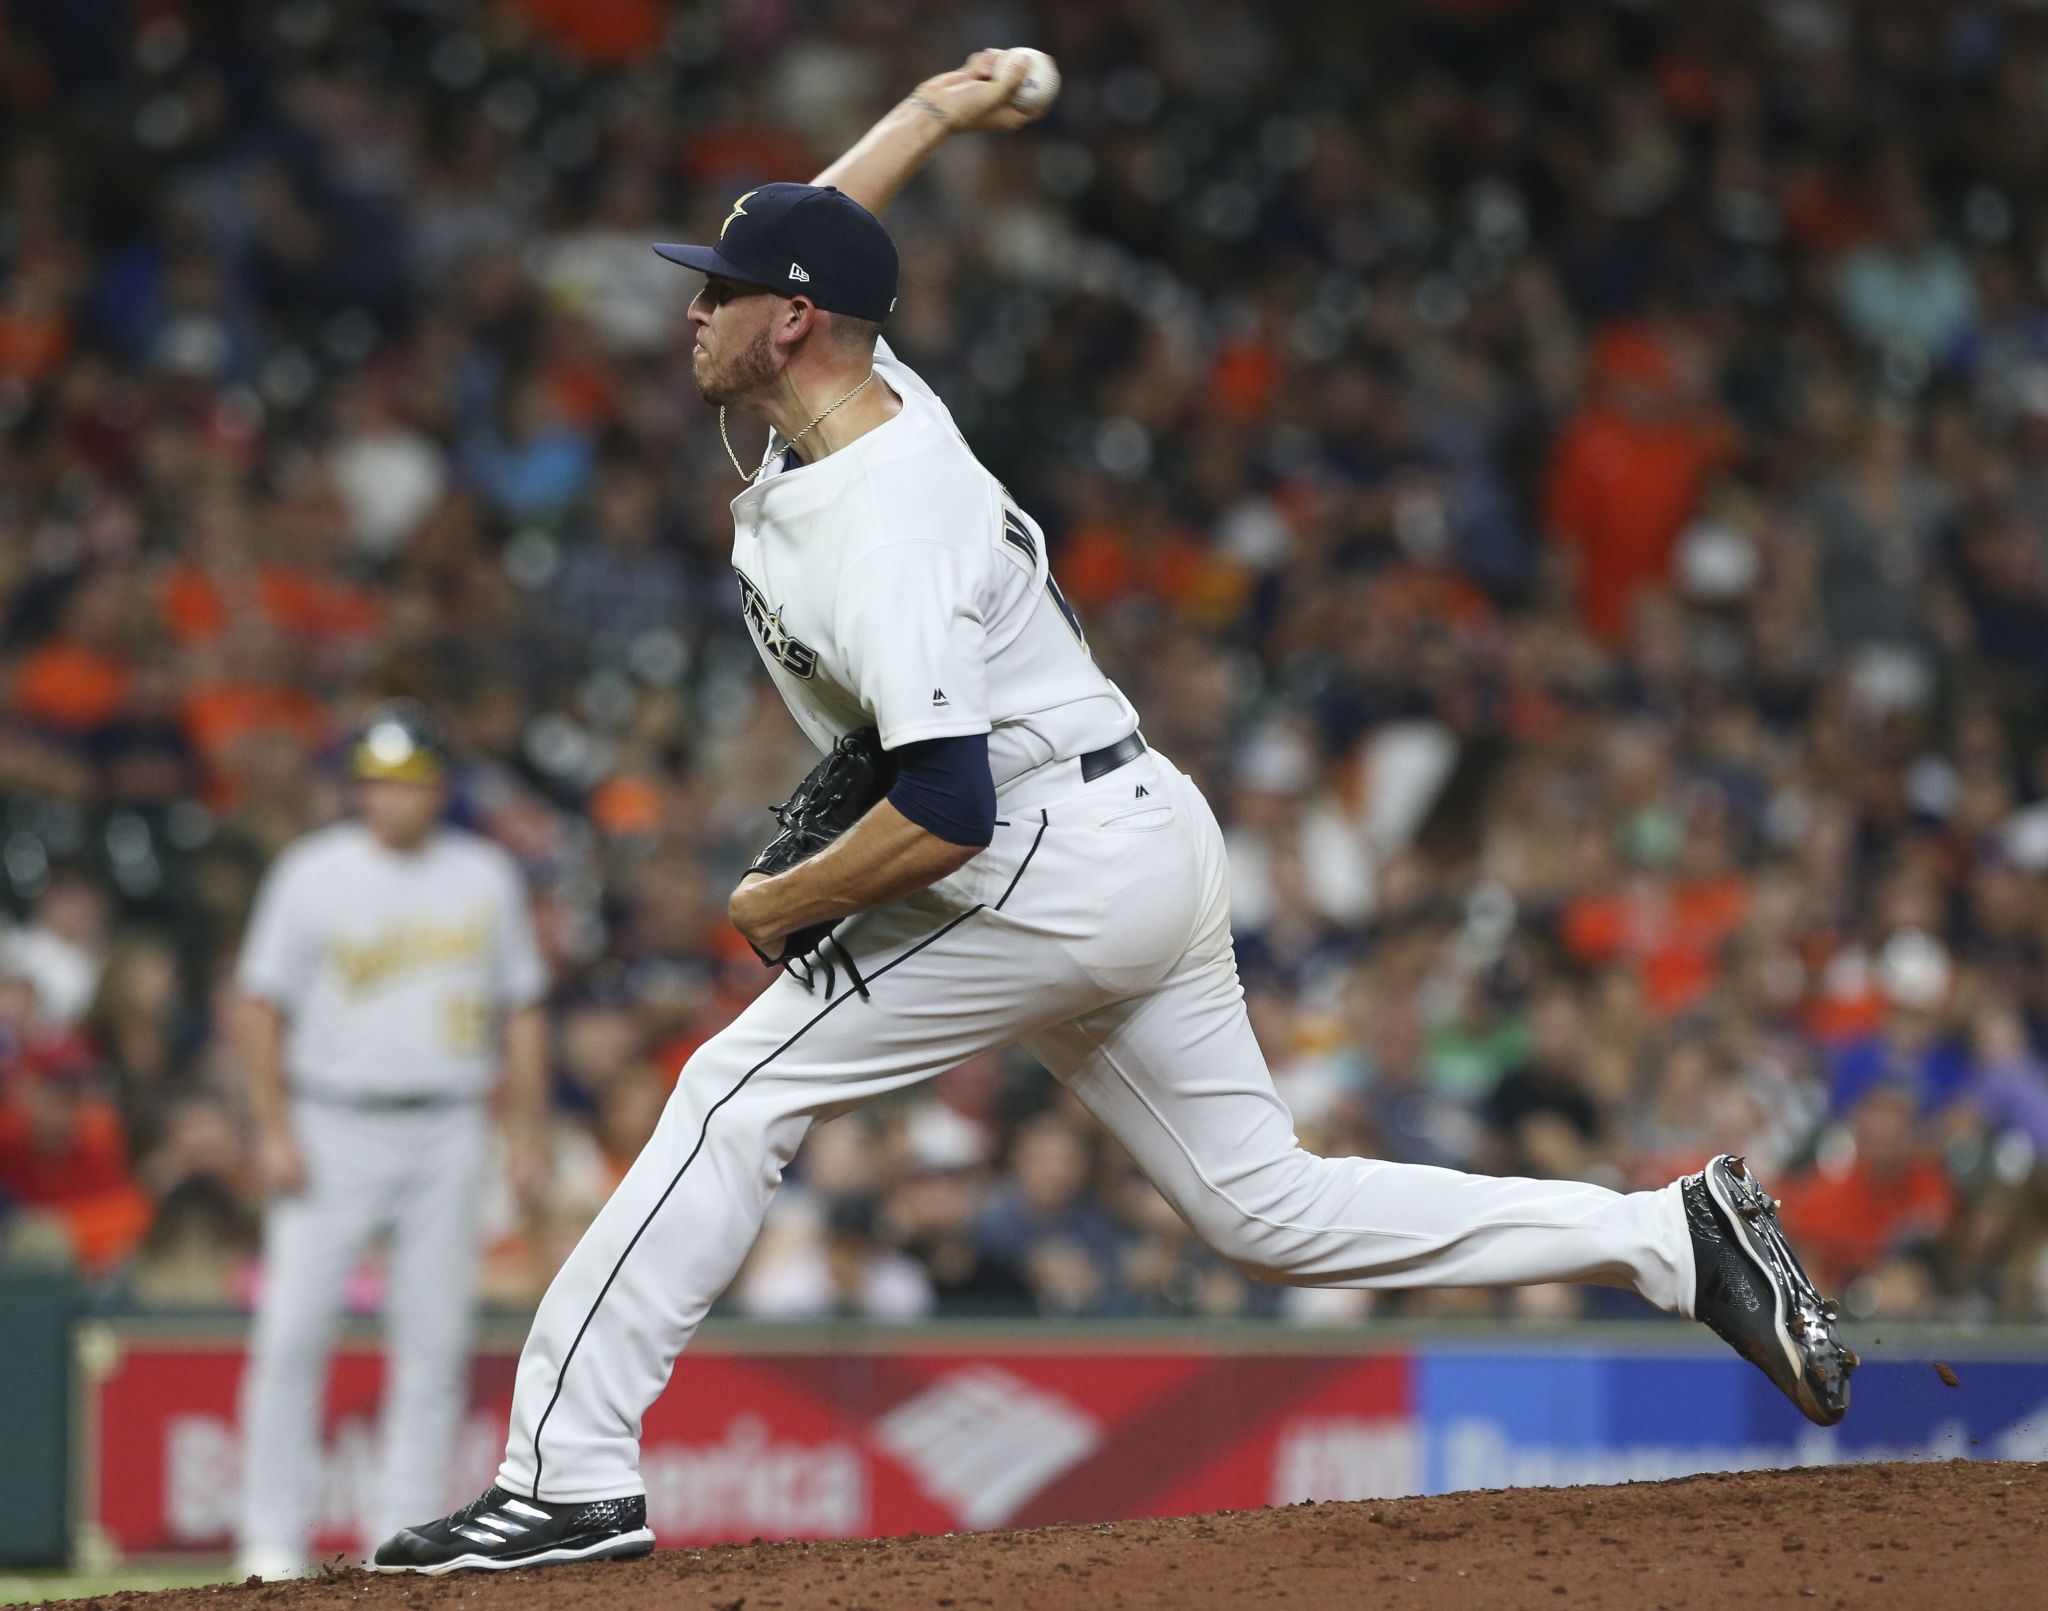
column 939, row 699
column 739, row 210
column 797, row 658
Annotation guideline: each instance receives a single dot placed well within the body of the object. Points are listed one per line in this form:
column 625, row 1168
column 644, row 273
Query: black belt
column 1100, row 763
column 382, row 1102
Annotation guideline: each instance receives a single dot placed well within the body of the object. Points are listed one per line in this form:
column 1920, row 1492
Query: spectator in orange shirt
column 250, row 691
column 1628, row 471
column 201, row 597
column 1670, row 931
column 1848, row 1218
column 35, row 313
column 599, row 33
column 62, row 1147
column 1128, row 544
column 79, row 679
column 217, row 579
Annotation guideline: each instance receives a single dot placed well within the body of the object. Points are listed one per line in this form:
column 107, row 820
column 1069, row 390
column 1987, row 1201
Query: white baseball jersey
column 394, row 969
column 895, row 584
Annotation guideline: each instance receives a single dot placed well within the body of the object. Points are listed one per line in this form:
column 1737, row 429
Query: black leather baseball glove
column 837, row 793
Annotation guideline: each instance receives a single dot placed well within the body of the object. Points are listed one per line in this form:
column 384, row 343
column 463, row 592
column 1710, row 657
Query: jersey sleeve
column 945, row 787
column 521, row 976
column 910, row 623
column 280, row 950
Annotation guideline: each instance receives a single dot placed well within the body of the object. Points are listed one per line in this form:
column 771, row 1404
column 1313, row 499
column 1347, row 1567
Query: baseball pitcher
column 989, row 853
column 388, row 974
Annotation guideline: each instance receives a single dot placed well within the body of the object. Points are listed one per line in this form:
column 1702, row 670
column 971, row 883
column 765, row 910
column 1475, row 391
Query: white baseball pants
column 1095, row 931
column 418, row 1175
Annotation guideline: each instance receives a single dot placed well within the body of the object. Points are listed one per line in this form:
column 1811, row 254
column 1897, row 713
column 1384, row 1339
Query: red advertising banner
column 807, row 1445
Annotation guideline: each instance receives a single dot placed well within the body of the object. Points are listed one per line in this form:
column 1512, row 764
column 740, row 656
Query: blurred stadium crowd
column 1569, row 479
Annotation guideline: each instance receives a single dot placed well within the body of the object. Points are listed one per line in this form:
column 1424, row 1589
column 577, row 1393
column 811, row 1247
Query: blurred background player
column 390, row 973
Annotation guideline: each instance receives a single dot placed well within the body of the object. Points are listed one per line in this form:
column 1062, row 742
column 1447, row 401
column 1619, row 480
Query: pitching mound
column 1961, row 1534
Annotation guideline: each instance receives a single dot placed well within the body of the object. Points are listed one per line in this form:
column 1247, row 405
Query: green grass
column 25, row 1588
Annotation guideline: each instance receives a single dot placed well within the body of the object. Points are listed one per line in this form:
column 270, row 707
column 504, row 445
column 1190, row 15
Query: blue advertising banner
column 1499, row 1418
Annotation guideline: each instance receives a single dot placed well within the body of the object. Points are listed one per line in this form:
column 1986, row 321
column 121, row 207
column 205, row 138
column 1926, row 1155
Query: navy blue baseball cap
column 803, row 240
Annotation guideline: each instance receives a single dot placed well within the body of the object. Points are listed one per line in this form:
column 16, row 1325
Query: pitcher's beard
column 749, row 371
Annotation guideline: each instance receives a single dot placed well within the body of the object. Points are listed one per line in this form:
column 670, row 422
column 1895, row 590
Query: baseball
column 1041, row 85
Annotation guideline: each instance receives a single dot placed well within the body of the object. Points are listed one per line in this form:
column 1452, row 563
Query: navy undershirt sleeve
column 943, row 785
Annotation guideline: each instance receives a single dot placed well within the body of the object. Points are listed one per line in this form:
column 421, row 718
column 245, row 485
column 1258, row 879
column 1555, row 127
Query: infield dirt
column 1946, row 1536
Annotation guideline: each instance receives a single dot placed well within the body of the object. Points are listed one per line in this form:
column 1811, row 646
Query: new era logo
column 796, row 272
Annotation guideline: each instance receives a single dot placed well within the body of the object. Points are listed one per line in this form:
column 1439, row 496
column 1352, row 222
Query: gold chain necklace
column 792, row 442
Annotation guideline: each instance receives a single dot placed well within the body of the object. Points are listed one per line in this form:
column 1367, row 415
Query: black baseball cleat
column 501, row 1532
column 1754, row 1295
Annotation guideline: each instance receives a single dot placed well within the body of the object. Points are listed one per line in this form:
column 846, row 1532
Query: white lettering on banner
column 1342, row 1457
column 202, row 1477
column 1479, row 1454
column 984, row 1441
column 2026, row 1438
column 746, row 1485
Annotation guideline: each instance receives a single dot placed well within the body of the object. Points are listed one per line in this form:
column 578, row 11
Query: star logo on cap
column 739, row 210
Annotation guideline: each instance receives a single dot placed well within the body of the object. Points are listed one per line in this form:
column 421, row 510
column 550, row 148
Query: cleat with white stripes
column 501, row 1532
column 1756, row 1296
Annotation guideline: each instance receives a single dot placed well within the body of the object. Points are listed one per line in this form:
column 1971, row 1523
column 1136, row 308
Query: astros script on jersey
column 897, row 585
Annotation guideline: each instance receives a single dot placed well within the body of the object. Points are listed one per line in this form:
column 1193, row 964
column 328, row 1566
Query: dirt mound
column 1959, row 1534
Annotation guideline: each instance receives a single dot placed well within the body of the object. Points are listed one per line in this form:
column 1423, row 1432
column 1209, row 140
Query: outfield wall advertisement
column 900, row 1439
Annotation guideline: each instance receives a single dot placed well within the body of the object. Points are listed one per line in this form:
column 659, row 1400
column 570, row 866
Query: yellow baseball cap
column 399, row 744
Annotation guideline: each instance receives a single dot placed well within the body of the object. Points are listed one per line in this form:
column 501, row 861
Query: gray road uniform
column 394, row 972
